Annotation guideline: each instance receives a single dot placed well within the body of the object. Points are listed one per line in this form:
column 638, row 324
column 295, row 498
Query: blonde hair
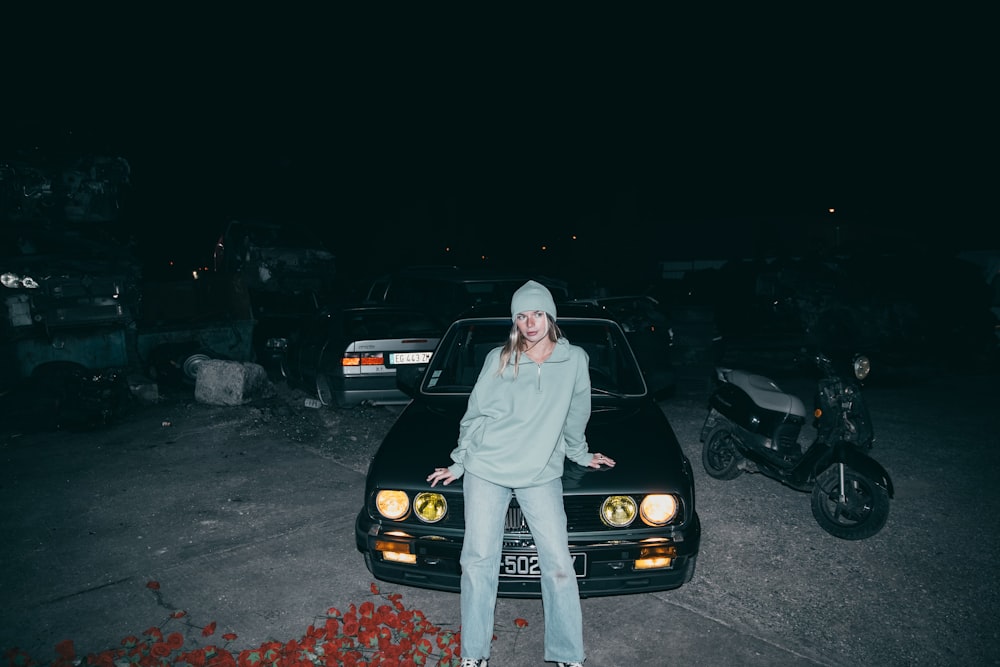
column 515, row 344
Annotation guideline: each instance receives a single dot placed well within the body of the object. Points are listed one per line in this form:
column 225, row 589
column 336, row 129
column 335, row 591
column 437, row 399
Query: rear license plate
column 398, row 358
column 517, row 564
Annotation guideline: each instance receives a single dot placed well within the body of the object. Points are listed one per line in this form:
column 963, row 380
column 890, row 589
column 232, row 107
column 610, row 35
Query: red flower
column 154, row 632
column 520, row 623
column 175, row 640
column 195, row 658
column 64, row 649
column 229, row 636
column 374, row 588
column 161, row 650
column 104, row 659
column 332, row 626
column 178, row 614
column 208, row 630
column 153, row 585
column 222, row 658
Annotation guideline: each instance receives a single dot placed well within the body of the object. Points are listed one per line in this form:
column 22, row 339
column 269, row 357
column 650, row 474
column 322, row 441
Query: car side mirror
column 408, row 378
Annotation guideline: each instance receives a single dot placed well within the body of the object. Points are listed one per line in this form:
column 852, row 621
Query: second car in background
column 348, row 356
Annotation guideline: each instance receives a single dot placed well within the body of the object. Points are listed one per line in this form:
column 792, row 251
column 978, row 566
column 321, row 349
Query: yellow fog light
column 655, row 557
column 430, row 507
column 658, row 509
column 618, row 511
column 392, row 504
column 409, row 559
column 653, row 563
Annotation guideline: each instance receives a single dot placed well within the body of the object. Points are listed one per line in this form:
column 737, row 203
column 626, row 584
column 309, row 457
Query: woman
column 526, row 415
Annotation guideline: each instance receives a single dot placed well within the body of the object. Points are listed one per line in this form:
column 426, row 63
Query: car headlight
column 618, row 511
column 862, row 367
column 430, row 507
column 13, row 281
column 658, row 509
column 392, row 504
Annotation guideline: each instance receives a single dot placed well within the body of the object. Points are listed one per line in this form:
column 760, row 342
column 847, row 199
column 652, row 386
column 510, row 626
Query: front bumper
column 610, row 570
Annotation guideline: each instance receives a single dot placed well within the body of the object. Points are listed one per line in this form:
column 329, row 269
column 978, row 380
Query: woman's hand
column 442, row 475
column 600, row 460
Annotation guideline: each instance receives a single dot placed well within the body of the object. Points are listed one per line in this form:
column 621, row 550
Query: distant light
column 447, row 248
column 544, row 248
column 831, row 210
column 573, row 236
column 194, row 274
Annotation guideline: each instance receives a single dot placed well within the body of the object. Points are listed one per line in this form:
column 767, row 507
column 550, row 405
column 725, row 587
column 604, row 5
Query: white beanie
column 532, row 296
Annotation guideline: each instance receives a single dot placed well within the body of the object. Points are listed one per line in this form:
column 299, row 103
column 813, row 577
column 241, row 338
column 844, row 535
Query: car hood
column 637, row 436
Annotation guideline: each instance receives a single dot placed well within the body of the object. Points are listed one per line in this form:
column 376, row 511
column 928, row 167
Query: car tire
column 324, row 390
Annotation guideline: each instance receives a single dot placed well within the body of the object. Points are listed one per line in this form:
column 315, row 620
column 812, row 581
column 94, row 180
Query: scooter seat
column 765, row 393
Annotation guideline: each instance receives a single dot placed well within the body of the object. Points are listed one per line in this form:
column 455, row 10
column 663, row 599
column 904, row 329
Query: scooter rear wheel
column 720, row 456
column 861, row 512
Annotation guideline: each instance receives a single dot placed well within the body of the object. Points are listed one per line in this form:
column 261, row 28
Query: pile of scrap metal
column 76, row 317
column 289, row 275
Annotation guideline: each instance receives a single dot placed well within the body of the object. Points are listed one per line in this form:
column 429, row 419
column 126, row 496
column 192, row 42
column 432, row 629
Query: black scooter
column 753, row 426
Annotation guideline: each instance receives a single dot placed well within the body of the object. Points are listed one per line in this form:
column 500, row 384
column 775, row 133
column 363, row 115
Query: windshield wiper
column 606, row 392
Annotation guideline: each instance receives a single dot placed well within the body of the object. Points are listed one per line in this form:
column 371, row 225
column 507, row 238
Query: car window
column 461, row 355
column 386, row 324
column 448, row 297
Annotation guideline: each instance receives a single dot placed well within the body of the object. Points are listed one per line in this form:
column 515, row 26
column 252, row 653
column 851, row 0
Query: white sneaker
column 570, row 664
column 472, row 662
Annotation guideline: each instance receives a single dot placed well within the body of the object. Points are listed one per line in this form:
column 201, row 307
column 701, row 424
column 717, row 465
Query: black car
column 448, row 291
column 648, row 328
column 632, row 528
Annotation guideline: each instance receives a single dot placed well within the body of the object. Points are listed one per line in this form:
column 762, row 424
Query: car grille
column 582, row 515
column 514, row 522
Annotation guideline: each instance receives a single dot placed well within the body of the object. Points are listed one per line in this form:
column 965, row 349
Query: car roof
column 381, row 308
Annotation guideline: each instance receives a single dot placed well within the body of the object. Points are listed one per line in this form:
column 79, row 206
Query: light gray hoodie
column 517, row 430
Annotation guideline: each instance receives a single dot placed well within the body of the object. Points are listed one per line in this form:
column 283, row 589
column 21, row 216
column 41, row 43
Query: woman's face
column 533, row 325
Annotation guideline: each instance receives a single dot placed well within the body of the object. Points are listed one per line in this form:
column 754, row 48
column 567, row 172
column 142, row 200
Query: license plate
column 398, row 358
column 516, row 564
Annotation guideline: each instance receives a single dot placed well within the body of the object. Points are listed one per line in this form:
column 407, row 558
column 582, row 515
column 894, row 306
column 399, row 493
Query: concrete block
column 231, row 382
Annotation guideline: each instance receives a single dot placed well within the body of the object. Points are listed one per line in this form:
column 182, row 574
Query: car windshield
column 386, row 324
column 460, row 356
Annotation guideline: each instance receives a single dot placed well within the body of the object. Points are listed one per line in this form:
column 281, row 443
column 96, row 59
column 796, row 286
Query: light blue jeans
column 485, row 508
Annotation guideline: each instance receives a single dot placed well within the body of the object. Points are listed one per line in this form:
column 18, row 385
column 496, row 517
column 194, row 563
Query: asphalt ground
column 244, row 527
column 244, row 517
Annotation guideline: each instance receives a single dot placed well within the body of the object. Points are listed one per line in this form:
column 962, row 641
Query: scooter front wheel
column 719, row 454
column 854, row 510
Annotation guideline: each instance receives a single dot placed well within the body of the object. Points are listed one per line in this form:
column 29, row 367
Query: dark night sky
column 661, row 133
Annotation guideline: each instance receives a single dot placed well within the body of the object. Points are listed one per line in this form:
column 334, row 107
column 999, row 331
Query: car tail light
column 363, row 359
